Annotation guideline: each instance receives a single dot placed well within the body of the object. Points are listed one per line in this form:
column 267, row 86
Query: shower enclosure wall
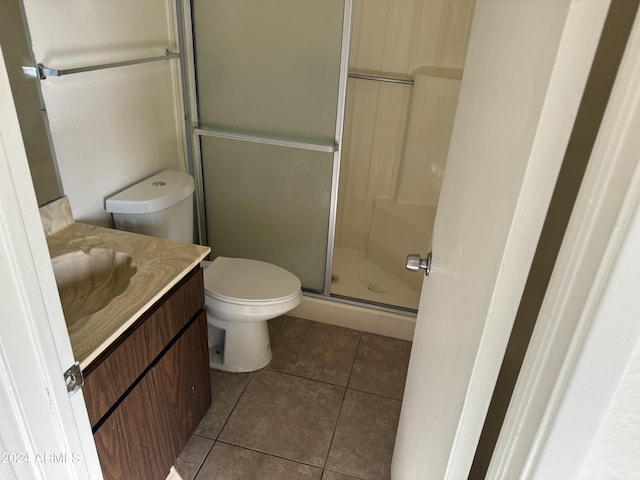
column 405, row 68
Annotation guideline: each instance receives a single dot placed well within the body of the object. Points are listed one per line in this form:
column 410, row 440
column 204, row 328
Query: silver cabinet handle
column 415, row 263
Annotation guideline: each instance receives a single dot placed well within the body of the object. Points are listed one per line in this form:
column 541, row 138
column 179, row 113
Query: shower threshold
column 371, row 304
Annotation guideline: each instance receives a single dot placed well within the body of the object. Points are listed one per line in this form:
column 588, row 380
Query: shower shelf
column 43, row 72
column 266, row 140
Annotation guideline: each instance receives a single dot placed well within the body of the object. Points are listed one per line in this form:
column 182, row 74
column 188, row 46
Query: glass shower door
column 269, row 89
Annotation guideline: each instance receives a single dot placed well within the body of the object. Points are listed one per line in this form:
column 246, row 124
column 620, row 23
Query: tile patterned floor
column 326, row 408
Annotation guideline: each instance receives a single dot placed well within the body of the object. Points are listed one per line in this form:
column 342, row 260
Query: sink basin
column 88, row 281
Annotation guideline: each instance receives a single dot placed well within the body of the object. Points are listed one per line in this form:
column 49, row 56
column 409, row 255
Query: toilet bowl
column 240, row 294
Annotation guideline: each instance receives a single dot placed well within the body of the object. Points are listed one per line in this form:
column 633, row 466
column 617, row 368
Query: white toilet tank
column 161, row 206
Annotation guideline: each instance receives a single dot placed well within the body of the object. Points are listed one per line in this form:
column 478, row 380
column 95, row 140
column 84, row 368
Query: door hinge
column 73, row 378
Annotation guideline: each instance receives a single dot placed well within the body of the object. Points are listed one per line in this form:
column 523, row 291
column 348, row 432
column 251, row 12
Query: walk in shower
column 405, row 67
column 322, row 132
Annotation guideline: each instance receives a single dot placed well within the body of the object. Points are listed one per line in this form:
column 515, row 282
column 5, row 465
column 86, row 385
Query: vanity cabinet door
column 112, row 374
column 145, row 434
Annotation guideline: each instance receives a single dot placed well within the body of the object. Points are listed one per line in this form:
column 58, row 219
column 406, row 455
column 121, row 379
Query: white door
column 44, row 433
column 526, row 68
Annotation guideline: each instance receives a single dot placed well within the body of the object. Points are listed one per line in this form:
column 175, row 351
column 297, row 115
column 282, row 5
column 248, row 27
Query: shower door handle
column 415, row 263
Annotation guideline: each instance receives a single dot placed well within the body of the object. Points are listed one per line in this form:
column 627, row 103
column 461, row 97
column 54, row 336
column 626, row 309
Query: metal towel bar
column 43, row 72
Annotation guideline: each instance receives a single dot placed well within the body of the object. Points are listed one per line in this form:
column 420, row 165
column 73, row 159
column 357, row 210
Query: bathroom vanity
column 134, row 307
column 147, row 393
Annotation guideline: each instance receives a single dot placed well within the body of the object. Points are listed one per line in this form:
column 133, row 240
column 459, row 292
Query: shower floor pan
column 356, row 276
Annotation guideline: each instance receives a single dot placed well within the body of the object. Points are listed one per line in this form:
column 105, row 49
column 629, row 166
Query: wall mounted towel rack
column 43, row 72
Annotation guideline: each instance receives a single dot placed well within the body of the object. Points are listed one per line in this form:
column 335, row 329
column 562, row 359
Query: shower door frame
column 195, row 132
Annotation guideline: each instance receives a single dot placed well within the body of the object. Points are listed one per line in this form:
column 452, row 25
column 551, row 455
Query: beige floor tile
column 190, row 459
column 381, row 366
column 226, row 389
column 315, row 350
column 286, row 416
column 363, row 442
column 287, row 421
column 227, row 462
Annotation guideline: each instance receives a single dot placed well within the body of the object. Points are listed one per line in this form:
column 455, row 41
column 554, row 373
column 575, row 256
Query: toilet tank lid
column 152, row 194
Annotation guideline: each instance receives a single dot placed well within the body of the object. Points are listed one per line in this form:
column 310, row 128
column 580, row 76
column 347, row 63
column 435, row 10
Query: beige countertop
column 159, row 265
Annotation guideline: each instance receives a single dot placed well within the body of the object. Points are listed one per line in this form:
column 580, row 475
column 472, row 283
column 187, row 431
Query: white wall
column 587, row 329
column 6, row 471
column 595, row 428
column 110, row 128
column 594, row 424
column 614, row 452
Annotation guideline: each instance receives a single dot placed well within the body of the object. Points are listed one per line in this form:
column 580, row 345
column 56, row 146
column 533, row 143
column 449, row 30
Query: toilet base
column 245, row 348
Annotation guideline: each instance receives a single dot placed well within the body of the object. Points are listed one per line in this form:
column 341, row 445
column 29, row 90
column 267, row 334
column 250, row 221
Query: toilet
column 240, row 294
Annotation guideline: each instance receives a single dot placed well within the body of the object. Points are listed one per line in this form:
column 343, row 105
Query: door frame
column 45, row 432
column 586, row 331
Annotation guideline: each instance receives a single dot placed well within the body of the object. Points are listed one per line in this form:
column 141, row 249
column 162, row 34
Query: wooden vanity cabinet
column 146, row 394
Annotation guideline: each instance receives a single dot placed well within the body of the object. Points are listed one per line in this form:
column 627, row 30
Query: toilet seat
column 249, row 282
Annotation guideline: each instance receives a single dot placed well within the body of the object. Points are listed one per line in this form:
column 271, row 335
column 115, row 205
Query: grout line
column 234, row 406
column 344, row 396
column 204, row 459
column 269, row 454
column 355, row 357
column 295, row 375
column 351, row 477
column 375, row 394
column 214, row 440
column 276, row 334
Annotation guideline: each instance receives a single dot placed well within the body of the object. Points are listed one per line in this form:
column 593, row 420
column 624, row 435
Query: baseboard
column 369, row 320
